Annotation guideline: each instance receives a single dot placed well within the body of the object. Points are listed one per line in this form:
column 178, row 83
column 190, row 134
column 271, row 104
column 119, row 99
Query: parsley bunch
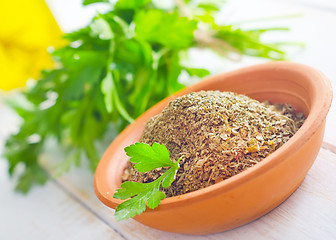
column 111, row 71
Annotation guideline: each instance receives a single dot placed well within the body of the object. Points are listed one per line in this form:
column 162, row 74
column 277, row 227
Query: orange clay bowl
column 253, row 192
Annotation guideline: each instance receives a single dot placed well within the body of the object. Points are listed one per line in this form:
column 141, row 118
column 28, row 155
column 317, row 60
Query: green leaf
column 145, row 194
column 130, row 189
column 206, row 18
column 249, row 43
column 88, row 2
column 208, row 7
column 120, row 107
column 100, row 28
column 148, row 158
column 33, row 174
column 155, row 199
column 171, row 174
column 107, row 87
column 82, row 80
column 131, row 207
column 167, row 29
column 131, row 4
column 199, row 72
column 141, row 52
column 174, row 70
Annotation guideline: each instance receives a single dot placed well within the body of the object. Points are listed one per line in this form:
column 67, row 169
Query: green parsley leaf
column 88, row 2
column 171, row 174
column 147, row 158
column 145, row 194
column 101, row 28
column 199, row 72
column 35, row 174
column 131, row 4
column 107, row 86
column 167, row 29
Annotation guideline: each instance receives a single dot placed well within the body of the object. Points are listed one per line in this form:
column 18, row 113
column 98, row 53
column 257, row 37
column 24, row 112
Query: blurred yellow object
column 27, row 29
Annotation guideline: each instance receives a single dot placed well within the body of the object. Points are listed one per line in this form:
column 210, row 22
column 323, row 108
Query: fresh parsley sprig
column 146, row 158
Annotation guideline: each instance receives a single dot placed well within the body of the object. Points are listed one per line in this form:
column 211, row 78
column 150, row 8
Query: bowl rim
column 319, row 106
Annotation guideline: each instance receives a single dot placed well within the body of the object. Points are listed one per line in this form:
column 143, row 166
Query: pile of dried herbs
column 217, row 135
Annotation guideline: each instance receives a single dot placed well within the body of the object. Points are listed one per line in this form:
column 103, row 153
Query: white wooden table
column 66, row 208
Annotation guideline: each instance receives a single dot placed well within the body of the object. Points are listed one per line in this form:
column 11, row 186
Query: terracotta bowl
column 249, row 194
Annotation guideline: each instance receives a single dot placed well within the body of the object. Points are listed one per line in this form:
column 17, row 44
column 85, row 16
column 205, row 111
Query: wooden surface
column 66, row 208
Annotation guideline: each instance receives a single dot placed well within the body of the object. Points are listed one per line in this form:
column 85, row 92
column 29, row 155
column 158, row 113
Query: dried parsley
column 217, row 135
